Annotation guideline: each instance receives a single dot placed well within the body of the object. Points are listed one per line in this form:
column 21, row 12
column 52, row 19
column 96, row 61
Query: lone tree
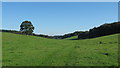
column 26, row 27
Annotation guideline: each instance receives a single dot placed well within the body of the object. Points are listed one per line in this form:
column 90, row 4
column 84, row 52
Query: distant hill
column 72, row 38
column 103, row 30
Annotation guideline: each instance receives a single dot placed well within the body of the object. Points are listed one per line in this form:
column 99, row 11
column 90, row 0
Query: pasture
column 23, row 50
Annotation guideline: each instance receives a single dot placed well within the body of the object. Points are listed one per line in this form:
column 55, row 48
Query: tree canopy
column 26, row 27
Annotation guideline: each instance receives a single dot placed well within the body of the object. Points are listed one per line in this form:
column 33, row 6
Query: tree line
column 27, row 28
column 103, row 30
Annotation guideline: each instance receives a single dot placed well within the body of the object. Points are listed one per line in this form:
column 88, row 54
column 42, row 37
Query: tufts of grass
column 22, row 50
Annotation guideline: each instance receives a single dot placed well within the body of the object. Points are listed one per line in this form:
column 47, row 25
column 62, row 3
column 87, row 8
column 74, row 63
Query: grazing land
column 25, row 50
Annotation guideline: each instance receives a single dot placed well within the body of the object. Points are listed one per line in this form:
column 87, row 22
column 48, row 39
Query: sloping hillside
column 72, row 38
column 23, row 50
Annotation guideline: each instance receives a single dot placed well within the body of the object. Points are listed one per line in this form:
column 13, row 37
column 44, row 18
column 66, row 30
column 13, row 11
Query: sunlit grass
column 23, row 50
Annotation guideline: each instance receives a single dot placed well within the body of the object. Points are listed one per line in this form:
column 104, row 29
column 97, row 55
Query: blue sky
column 56, row 18
column 60, row 0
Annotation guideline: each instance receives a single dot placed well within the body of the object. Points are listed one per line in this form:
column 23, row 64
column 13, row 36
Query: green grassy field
column 23, row 50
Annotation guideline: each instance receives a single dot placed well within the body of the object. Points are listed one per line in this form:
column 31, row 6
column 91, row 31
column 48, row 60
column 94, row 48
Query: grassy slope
column 22, row 50
column 73, row 37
